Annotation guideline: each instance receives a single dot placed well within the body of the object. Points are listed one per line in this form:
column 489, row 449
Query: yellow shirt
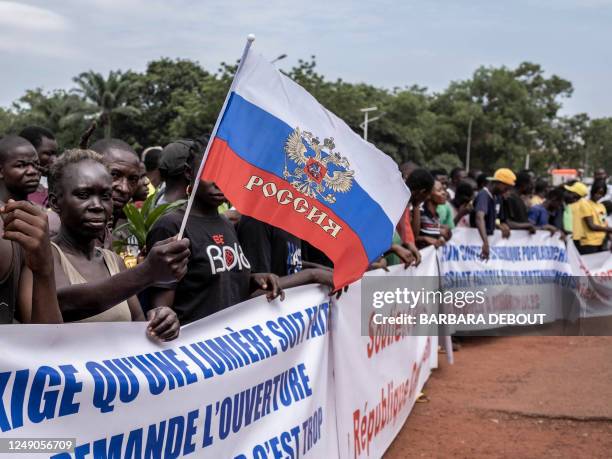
column 598, row 213
column 578, row 210
column 536, row 200
column 151, row 190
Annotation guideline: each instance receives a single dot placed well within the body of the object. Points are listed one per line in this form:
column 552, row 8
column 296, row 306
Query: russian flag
column 281, row 157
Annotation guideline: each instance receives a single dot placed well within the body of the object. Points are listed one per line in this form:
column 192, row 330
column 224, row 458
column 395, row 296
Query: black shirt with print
column 268, row 248
column 218, row 272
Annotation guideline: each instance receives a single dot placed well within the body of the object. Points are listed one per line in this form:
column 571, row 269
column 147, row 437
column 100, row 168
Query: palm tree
column 108, row 97
column 56, row 111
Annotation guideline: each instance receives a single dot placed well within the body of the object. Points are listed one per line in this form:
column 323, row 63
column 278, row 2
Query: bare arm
column 415, row 252
column 314, row 276
column 163, row 322
column 521, row 226
column 482, row 230
column 462, row 212
column 79, row 301
column 308, row 276
column 553, row 230
column 311, row 265
column 416, row 221
column 162, row 297
column 595, row 227
column 429, row 240
column 133, row 303
column 268, row 284
column 403, row 253
column 167, row 261
column 27, row 225
column 6, row 255
column 37, row 301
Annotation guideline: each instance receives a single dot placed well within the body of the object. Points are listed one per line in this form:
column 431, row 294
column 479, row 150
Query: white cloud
column 32, row 30
column 572, row 4
column 386, row 42
column 21, row 16
column 24, row 45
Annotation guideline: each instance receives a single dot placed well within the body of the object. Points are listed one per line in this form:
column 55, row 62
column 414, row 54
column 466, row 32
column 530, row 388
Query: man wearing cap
column 172, row 171
column 576, row 194
column 488, row 208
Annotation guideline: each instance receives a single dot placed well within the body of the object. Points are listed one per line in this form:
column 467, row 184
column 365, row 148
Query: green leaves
column 598, row 139
column 140, row 221
column 108, row 97
column 515, row 111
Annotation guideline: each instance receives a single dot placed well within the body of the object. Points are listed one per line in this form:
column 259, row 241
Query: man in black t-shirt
column 218, row 272
column 515, row 208
column 268, row 248
column 313, row 256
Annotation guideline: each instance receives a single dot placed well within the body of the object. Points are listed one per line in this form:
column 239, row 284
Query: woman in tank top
column 80, row 192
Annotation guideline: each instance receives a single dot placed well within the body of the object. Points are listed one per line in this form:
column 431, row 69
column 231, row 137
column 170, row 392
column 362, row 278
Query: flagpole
column 250, row 40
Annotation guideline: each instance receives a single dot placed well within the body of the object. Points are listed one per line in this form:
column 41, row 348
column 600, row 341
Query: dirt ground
column 520, row 397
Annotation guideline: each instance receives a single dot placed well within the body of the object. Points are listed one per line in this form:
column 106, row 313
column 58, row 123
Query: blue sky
column 386, row 43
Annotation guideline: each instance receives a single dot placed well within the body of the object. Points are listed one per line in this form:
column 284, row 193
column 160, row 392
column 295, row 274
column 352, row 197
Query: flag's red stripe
column 231, row 174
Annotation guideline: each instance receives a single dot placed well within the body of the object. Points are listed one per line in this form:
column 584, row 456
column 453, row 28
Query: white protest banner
column 252, row 381
column 598, row 264
column 525, row 278
column 378, row 377
column 593, row 276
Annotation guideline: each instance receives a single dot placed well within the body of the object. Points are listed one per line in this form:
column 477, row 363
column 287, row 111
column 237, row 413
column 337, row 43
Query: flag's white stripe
column 262, row 84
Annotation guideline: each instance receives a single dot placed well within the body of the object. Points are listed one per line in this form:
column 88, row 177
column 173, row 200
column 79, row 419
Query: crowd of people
column 61, row 214
column 505, row 201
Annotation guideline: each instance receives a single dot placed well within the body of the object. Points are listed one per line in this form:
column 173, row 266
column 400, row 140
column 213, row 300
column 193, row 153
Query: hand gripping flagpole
column 250, row 40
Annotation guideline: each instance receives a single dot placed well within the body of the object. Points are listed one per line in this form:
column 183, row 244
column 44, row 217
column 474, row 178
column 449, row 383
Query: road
column 524, row 397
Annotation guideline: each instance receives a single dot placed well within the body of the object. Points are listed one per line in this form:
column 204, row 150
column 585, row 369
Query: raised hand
column 27, row 225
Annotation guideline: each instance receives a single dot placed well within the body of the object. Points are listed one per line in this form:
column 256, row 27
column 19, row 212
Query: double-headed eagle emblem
column 320, row 175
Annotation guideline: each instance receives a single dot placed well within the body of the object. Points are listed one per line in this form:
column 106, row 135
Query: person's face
column 21, row 170
column 501, row 189
column 571, row 197
column 474, row 173
column 527, row 188
column 124, row 168
column 459, row 176
column 461, row 200
column 438, row 194
column 143, row 189
column 600, row 193
column 47, row 154
column 419, row 196
column 84, row 201
column 600, row 174
column 443, row 179
column 555, row 205
column 209, row 195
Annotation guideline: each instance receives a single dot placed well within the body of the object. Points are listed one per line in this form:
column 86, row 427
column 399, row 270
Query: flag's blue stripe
column 259, row 138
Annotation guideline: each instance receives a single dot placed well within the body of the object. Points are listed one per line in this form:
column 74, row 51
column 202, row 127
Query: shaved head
column 105, row 146
column 124, row 166
column 10, row 143
column 600, row 174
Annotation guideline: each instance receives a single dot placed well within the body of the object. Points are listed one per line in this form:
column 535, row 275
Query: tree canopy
column 513, row 111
